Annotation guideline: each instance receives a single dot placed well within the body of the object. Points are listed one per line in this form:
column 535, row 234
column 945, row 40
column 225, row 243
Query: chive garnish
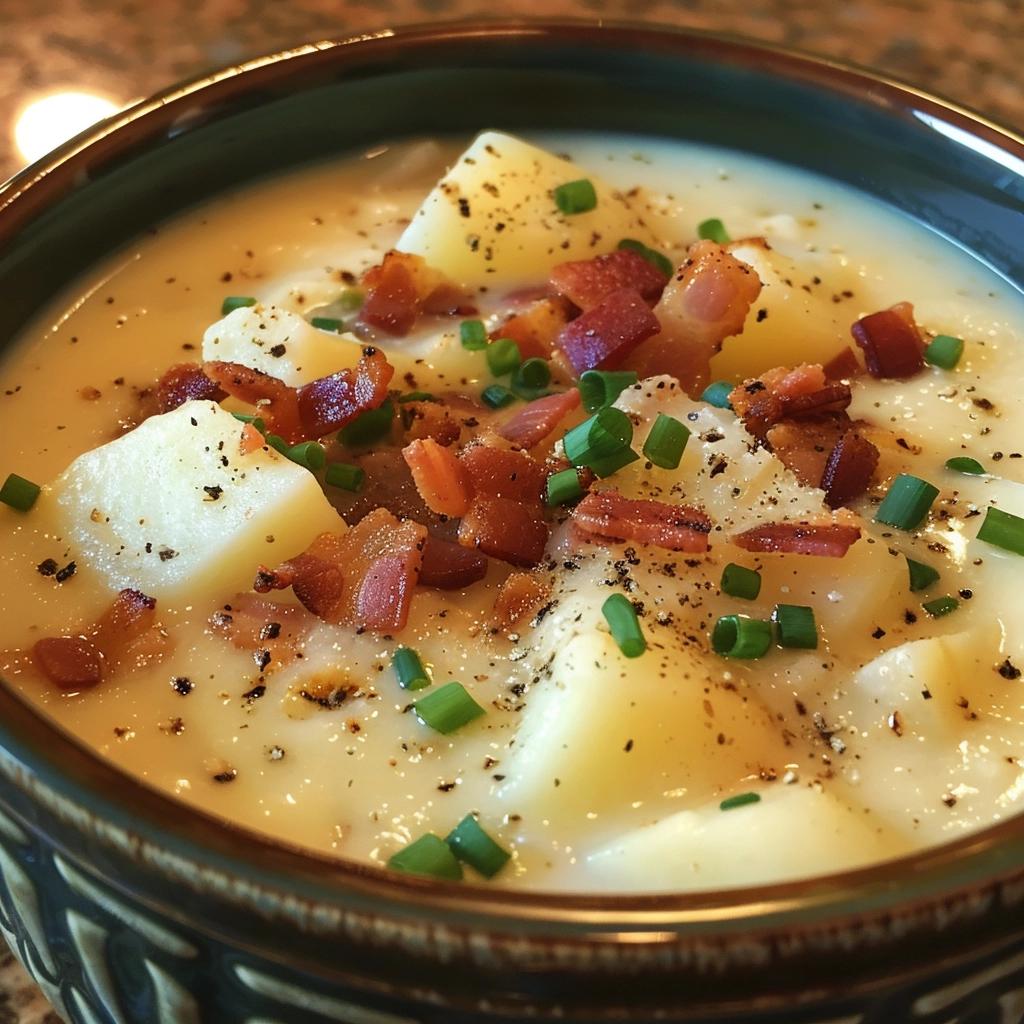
column 736, row 636
column 907, row 502
column 575, row 196
column 563, row 487
column 795, row 626
column 534, row 373
column 430, row 856
column 19, row 493
column 350, row 300
column 738, row 581
column 472, row 845
column 417, row 396
column 310, row 454
column 1003, row 529
column 409, row 669
column 345, row 476
column 620, row 615
column 600, row 388
column 233, row 302
column 448, row 708
column 941, row 606
column 503, row 356
column 944, row 351
column 328, row 323
column 963, row 464
column 279, row 444
column 255, row 420
column 666, row 441
column 607, row 433
column 717, row 394
column 473, row 335
column 739, row 800
column 369, row 426
column 609, row 464
column 657, row 260
column 496, row 396
column 921, row 576
column 713, row 230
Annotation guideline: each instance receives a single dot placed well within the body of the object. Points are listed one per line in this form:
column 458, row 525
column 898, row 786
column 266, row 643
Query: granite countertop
column 967, row 50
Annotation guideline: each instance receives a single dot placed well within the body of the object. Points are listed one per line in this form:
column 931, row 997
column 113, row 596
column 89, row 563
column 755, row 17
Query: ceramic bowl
column 129, row 907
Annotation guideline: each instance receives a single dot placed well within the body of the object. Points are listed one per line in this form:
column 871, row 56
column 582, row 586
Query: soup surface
column 889, row 720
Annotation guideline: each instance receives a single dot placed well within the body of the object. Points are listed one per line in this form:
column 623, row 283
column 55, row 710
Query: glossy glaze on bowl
column 129, row 907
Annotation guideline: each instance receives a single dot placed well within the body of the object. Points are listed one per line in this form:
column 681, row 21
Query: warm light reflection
column 50, row 120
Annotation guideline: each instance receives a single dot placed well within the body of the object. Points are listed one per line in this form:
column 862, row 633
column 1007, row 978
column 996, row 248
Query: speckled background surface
column 971, row 51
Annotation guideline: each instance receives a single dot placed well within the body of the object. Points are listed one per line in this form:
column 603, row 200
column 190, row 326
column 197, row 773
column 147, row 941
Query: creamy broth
column 596, row 772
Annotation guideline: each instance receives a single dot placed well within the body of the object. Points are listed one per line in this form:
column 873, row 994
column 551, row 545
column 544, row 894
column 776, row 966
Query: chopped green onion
column 1003, row 529
column 963, row 464
column 921, row 575
column 256, row 421
column 369, row 426
column 795, row 626
column 620, row 615
column 563, row 487
column 609, row 464
column 417, row 396
column 738, row 581
column 717, row 394
column 941, row 606
column 600, row 388
column 713, row 230
column 503, row 356
column 341, row 474
column 471, row 844
column 906, row 503
column 575, row 196
column 431, row 856
column 606, row 433
column 739, row 800
column 233, row 302
column 409, row 669
column 310, row 454
column 497, row 396
column 534, row 373
column 944, row 351
column 448, row 708
column 19, row 493
column 328, row 323
column 279, row 444
column 528, row 394
column 666, row 441
column 473, row 335
column 736, row 636
column 350, row 300
column 657, row 260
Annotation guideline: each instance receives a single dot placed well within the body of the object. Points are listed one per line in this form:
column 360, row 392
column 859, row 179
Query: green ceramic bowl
column 129, row 907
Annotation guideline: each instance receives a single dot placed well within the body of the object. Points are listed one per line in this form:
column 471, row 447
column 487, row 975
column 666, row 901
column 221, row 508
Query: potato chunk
column 174, row 510
column 492, row 218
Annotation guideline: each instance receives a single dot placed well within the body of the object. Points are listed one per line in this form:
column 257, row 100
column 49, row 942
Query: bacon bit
column 535, row 330
column 588, row 282
column 849, row 469
column 505, row 529
column 787, row 394
column 422, row 420
column 251, row 440
column 497, row 473
column 519, row 594
column 608, row 332
column 439, row 476
column 69, row 662
column 706, row 302
column 826, row 540
column 844, row 366
column 400, row 288
column 277, row 404
column 803, row 446
column 316, row 577
column 607, row 514
column 448, row 566
column 891, row 341
column 539, row 418
column 183, row 383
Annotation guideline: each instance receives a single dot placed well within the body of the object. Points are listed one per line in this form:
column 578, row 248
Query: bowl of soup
column 516, row 522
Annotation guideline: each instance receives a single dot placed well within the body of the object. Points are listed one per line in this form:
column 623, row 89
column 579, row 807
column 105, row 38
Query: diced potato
column 794, row 832
column 280, row 343
column 492, row 220
column 797, row 326
column 174, row 510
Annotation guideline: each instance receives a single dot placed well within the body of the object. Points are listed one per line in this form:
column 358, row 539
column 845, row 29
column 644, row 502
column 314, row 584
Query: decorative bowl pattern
column 128, row 907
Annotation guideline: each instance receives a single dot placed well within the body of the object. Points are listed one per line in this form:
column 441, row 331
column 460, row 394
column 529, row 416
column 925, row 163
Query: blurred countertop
column 970, row 51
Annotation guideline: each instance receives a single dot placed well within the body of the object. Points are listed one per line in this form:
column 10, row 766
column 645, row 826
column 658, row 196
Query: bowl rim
column 991, row 856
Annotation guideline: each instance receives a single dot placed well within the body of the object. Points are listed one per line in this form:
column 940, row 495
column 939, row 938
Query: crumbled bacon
column 706, row 302
column 536, row 420
column 439, row 476
column 826, row 540
column 607, row 514
column 448, row 566
column 519, row 594
column 430, row 420
column 536, row 329
column 276, row 403
column 803, row 446
column 497, row 473
column 787, row 394
column 844, row 366
column 891, row 342
column 69, row 662
column 402, row 287
column 605, row 334
column 183, row 383
column 588, row 282
column 849, row 469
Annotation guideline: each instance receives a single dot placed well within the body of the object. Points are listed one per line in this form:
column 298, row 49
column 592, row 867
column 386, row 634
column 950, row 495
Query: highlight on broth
column 649, row 521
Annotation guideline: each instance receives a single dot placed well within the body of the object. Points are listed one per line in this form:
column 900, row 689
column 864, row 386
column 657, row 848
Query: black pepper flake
column 464, row 207
column 271, row 631
column 446, row 787
column 262, row 659
column 628, row 747
column 182, row 685
column 895, row 722
column 278, row 350
column 1008, row 670
column 214, row 491
column 66, row 573
column 909, row 617
column 878, row 633
column 226, row 776
column 166, row 554
column 255, row 693
column 47, row 567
